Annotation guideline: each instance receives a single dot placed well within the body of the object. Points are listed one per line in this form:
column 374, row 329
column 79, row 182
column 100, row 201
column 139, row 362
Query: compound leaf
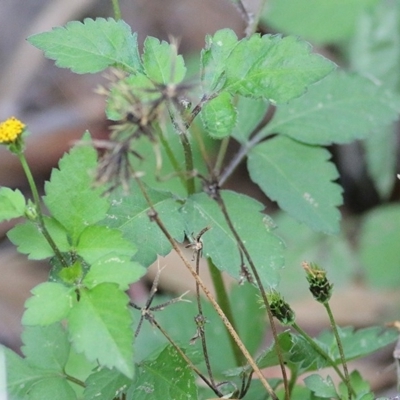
column 91, row 46
column 274, row 68
column 219, row 116
column 70, row 196
column 12, row 204
column 30, row 240
column 339, row 109
column 168, row 377
column 51, row 302
column 286, row 172
column 129, row 214
column 161, row 62
column 100, row 327
column 219, row 242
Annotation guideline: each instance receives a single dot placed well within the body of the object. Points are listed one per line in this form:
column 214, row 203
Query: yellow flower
column 10, row 130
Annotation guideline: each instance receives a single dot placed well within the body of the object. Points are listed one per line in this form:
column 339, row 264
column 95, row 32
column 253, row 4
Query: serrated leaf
column 161, row 62
column 320, row 21
column 274, row 68
column 339, row 109
column 322, row 387
column 29, row 240
column 168, row 378
column 20, row 376
column 114, row 268
column 46, row 347
column 358, row 343
column 379, row 246
column 91, row 46
column 105, row 384
column 12, row 204
column 219, row 116
column 359, row 385
column 219, row 242
column 299, row 177
column 50, row 303
column 100, row 327
column 250, row 114
column 214, row 56
column 98, row 241
column 129, row 214
column 70, row 195
column 41, row 374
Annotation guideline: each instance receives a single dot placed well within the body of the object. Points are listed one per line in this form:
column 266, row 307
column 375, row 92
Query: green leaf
column 70, row 196
column 46, row 347
column 219, row 116
column 339, row 109
column 360, row 386
column 100, row 327
column 377, row 38
column 214, row 57
column 98, row 241
column 379, row 246
column 250, row 113
column 12, row 204
column 161, row 62
column 29, row 240
column 381, row 159
column 129, row 214
column 358, row 343
column 284, row 169
column 274, row 68
column 51, row 302
column 322, row 387
column 91, row 46
column 105, row 384
column 114, row 268
column 322, row 21
column 168, row 377
column 219, row 242
column 41, row 374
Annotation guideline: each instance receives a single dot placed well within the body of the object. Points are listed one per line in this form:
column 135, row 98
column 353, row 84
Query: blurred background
column 58, row 106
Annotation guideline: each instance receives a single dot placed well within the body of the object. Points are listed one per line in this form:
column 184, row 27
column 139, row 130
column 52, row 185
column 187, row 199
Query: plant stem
column 223, row 301
column 74, row 380
column 221, row 155
column 340, row 347
column 36, row 200
column 260, row 286
column 187, row 150
column 319, row 350
column 154, row 217
column 116, row 9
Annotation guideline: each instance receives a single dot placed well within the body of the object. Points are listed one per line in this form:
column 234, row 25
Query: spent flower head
column 11, row 130
column 280, row 309
column 319, row 285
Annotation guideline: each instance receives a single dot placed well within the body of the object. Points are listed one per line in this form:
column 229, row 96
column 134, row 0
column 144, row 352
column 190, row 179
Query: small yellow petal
column 10, row 130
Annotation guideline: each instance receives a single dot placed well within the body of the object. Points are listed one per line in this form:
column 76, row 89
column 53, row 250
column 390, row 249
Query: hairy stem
column 221, row 155
column 187, row 150
column 223, row 301
column 116, row 9
column 36, row 200
column 260, row 286
column 340, row 347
